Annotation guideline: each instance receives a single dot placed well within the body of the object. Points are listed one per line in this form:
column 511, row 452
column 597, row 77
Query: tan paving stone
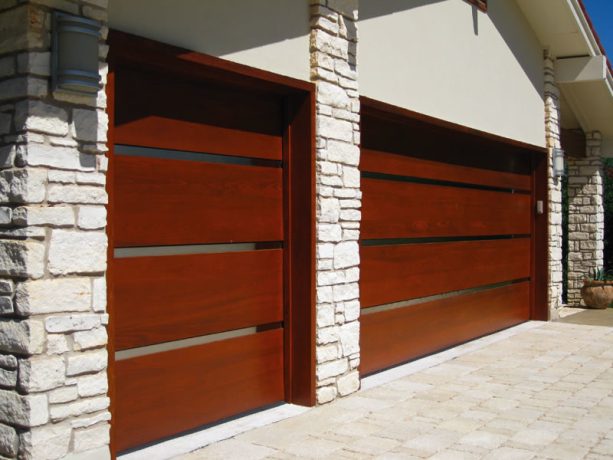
column 483, row 438
column 509, row 453
column 564, row 451
column 397, row 455
column 432, row 443
column 373, row 445
column 461, row 424
column 312, row 447
column 533, row 437
column 232, row 448
column 453, row 454
column 504, row 426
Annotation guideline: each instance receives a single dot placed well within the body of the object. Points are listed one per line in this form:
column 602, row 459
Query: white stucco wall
column 267, row 34
column 446, row 59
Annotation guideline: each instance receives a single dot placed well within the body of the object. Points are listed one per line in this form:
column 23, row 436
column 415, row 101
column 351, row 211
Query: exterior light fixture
column 558, row 162
column 74, row 58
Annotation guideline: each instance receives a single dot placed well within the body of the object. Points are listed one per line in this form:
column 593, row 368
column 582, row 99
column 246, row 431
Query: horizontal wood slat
column 394, row 336
column 401, row 272
column 165, row 202
column 392, row 209
column 196, row 117
column 426, row 138
column 403, row 165
column 168, row 298
column 166, row 393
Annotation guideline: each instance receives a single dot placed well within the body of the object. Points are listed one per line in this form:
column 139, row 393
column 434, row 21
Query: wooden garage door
column 446, row 239
column 198, row 258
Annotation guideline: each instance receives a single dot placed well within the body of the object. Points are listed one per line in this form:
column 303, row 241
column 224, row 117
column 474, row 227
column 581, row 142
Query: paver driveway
column 544, row 392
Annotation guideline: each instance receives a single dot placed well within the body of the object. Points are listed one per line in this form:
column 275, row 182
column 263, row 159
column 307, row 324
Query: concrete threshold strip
column 196, row 440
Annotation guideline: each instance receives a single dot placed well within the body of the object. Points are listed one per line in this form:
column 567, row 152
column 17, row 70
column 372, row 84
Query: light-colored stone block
column 93, row 385
column 99, row 294
column 41, row 373
column 22, row 258
column 63, row 394
column 87, row 362
column 6, row 215
column 9, row 441
column 49, row 442
column 89, row 125
column 59, row 157
column 90, row 438
column 90, row 339
column 92, row 217
column 77, row 252
column 42, row 117
column 22, row 185
column 346, row 254
column 57, row 216
column 8, row 362
column 77, row 194
column 8, row 378
column 23, row 411
column 22, row 337
column 53, row 296
column 79, row 407
column 69, row 323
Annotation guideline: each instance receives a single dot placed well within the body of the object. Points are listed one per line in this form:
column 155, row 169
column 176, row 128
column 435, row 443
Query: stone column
column 585, row 216
column 53, row 359
column 333, row 70
column 554, row 187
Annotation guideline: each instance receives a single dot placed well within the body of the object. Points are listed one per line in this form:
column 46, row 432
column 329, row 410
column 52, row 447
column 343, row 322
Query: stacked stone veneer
column 53, row 381
column 554, row 187
column 333, row 69
column 585, row 216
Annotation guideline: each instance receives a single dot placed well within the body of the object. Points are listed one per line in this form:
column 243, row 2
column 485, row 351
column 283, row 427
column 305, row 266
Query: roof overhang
column 583, row 72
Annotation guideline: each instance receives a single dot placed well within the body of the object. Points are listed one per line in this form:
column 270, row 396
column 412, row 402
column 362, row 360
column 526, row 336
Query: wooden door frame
column 299, row 194
column 539, row 309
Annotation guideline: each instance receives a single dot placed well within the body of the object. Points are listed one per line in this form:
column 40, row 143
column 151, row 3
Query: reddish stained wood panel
column 394, row 336
column 392, row 209
column 196, row 117
column 166, row 202
column 166, row 298
column 400, row 272
column 404, row 165
column 163, row 394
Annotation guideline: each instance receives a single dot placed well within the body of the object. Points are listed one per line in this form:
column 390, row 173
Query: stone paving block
column 509, row 453
column 432, row 443
column 564, row 451
column 533, row 437
column 398, row 455
column 357, row 429
column 373, row 445
column 232, row 448
column 461, row 424
column 452, row 454
column 483, row 438
column 504, row 425
column 312, row 447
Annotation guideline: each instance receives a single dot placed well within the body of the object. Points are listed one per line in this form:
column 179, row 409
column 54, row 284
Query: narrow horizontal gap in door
column 446, row 295
column 184, row 155
column 442, row 183
column 441, row 239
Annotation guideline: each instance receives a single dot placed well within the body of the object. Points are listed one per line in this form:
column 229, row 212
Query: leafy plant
column 600, row 274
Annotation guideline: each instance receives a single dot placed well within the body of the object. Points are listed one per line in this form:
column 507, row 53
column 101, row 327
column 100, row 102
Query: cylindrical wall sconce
column 74, row 58
column 558, row 162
